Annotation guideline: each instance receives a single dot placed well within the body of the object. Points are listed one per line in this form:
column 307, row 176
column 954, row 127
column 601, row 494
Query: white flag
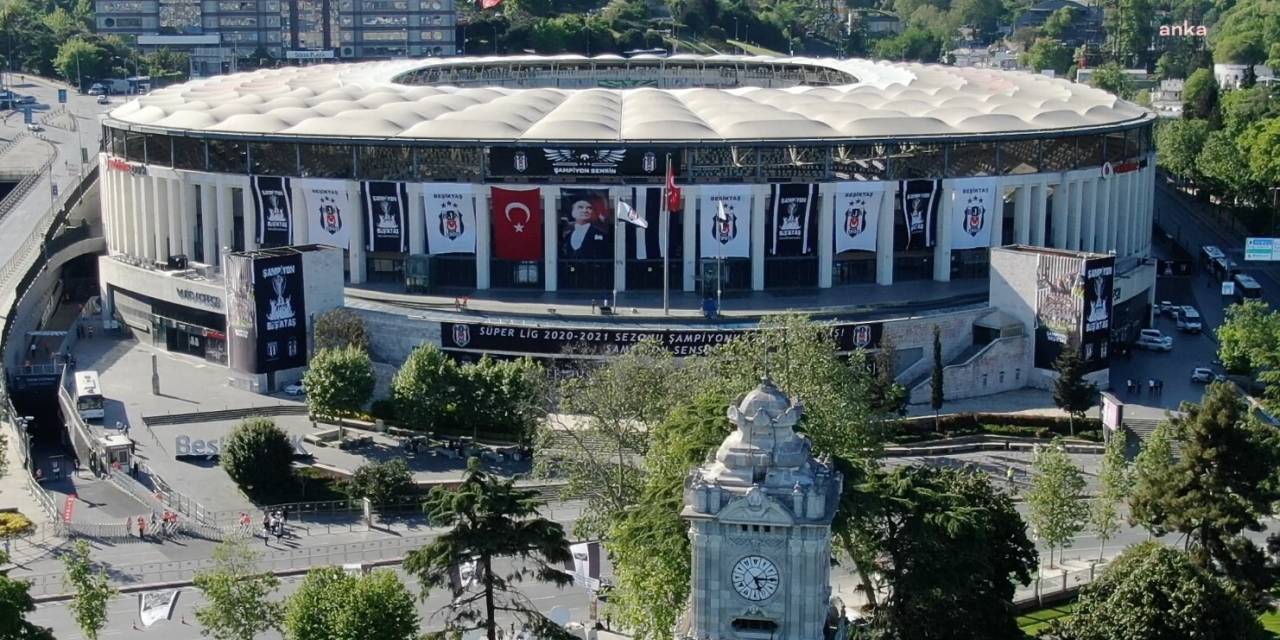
column 450, row 211
column 857, row 215
column 726, row 221
column 628, row 213
column 973, row 207
column 329, row 212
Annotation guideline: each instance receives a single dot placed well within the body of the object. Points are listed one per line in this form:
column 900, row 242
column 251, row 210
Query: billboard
column 608, row 161
column 1096, row 312
column 267, row 321
column 1074, row 305
column 1261, row 249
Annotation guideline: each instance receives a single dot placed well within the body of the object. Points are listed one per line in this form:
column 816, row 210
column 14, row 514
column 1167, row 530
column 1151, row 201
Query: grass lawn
column 1036, row 621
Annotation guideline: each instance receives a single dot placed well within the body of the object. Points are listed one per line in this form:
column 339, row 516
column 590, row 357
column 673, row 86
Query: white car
column 103, row 99
column 1206, row 375
column 295, row 389
column 1166, row 308
column 34, row 127
column 1153, row 340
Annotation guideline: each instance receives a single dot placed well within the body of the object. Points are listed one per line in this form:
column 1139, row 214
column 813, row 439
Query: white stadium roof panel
column 806, row 99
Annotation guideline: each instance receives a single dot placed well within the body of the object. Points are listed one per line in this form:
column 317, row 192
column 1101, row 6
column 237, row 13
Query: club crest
column 727, row 229
column 462, row 334
column 650, row 162
column 521, row 161
column 330, row 215
column 451, row 224
column 855, row 218
column 388, row 222
column 861, row 336
column 975, row 216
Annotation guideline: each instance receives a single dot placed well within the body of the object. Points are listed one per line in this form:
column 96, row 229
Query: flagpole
column 666, row 249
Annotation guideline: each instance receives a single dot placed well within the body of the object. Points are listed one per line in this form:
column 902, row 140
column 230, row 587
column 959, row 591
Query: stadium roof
column 373, row 100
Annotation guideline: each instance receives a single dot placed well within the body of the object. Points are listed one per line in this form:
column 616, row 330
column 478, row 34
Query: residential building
column 1085, row 28
column 1231, row 76
column 217, row 32
column 875, row 22
column 1166, row 100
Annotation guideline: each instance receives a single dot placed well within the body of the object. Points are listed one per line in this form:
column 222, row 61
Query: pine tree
column 1070, row 390
column 936, row 381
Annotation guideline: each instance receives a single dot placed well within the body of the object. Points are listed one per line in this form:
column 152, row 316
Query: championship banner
column 450, row 211
column 462, row 575
column 155, row 606
column 386, row 213
column 857, row 215
column 727, row 236
column 517, row 224
column 1095, row 324
column 971, row 212
column 281, row 312
column 580, row 161
column 328, row 211
column 242, row 331
column 272, row 200
column 792, row 220
column 1059, row 301
column 585, row 225
column 584, row 563
column 646, row 244
column 919, row 208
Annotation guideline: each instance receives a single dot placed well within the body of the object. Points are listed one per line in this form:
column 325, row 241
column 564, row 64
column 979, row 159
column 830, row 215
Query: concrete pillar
column 759, row 215
column 209, row 224
column 301, row 227
column 620, row 230
column 222, row 194
column 1121, row 214
column 1022, row 214
column 161, row 213
column 110, row 227
column 246, row 206
column 884, row 235
column 549, row 262
column 484, row 229
column 1062, row 214
column 942, row 239
column 690, row 231
column 826, row 233
column 997, row 216
column 1039, row 212
column 1103, row 222
column 1089, row 213
column 415, row 219
column 177, row 230
column 1073, row 215
column 145, row 213
column 356, row 252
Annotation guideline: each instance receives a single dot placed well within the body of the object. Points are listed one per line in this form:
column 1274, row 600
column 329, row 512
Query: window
column 385, row 21
column 158, row 150
column 325, row 161
column 385, row 5
column 188, row 153
column 239, row 21
column 385, row 36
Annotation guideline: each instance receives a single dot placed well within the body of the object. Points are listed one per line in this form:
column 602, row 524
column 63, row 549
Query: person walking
column 266, row 531
column 142, row 528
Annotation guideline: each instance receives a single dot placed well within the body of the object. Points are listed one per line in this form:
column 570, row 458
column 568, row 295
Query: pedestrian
column 279, row 531
column 266, row 530
column 90, row 332
column 1159, row 387
column 142, row 528
column 128, row 526
column 1151, row 386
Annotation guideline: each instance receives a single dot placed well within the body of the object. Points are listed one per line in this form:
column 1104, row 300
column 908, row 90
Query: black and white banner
column 386, row 216
column 450, row 215
column 973, row 207
column 857, row 215
column 792, row 220
column 646, row 243
column 585, row 563
column 919, row 208
column 727, row 235
column 329, row 211
column 463, row 575
column 281, row 312
column 271, row 198
column 154, row 606
column 580, row 161
column 1095, row 324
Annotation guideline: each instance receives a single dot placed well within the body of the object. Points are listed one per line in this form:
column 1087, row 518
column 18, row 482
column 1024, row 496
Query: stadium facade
column 798, row 177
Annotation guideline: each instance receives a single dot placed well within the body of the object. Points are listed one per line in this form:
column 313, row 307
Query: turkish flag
column 517, row 224
column 673, row 192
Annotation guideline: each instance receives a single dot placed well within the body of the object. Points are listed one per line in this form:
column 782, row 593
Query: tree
column 598, row 448
column 259, row 458
column 91, row 589
column 1071, row 392
column 912, row 44
column 339, row 328
column 333, row 605
column 339, row 382
column 1224, row 166
column 1129, row 29
column 237, row 595
column 1048, row 53
column 1112, row 79
column 489, row 518
column 1150, row 482
column 1153, row 591
column 936, row 381
column 1113, row 486
column 78, row 59
column 1058, row 22
column 1249, row 343
column 1055, row 504
column 383, row 483
column 948, row 546
column 1264, row 138
column 1179, row 144
column 1200, row 95
column 888, row 397
column 15, row 604
column 504, row 398
column 423, row 389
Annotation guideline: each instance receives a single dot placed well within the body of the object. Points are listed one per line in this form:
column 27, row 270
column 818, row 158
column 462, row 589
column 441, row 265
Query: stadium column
column 1039, row 212
column 484, row 230
column 110, row 206
column 1022, row 214
column 1088, row 211
column 620, row 233
column 942, row 243
column 1114, row 213
column 209, row 224
column 1061, row 213
column 1101, row 233
column 997, row 217
column 173, row 189
column 160, row 209
column 884, row 235
column 1121, row 213
column 356, row 251
column 222, row 196
column 549, row 219
column 414, row 218
column 1073, row 214
column 826, row 233
column 690, row 230
column 246, row 212
column 759, row 215
column 1150, row 207
column 142, row 198
column 186, row 215
column 301, row 226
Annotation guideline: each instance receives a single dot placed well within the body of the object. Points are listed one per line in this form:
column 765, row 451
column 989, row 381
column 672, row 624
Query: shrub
column 382, row 482
column 340, row 328
column 259, row 458
column 338, row 381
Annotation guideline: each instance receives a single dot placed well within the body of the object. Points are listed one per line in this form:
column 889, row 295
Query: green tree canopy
column 259, row 458
column 15, row 604
column 333, row 605
column 1153, row 591
column 238, row 603
column 1129, row 30
column 383, row 483
column 1179, row 143
column 1113, row 487
column 1249, row 338
column 423, row 389
column 79, row 58
column 1056, row 508
column 507, row 398
column 912, row 44
column 1071, row 392
column 1200, row 95
column 1048, row 53
column 1111, row 78
column 91, row 590
column 339, row 382
column 339, row 328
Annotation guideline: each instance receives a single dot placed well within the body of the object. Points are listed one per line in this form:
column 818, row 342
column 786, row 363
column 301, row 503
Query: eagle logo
column 569, row 156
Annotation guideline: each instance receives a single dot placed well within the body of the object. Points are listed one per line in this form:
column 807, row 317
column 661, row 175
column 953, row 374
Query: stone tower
column 760, row 515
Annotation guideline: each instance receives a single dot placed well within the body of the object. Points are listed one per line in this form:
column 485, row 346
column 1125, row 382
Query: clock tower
column 760, row 513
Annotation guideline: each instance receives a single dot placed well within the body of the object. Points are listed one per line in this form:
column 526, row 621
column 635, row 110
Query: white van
column 1189, row 320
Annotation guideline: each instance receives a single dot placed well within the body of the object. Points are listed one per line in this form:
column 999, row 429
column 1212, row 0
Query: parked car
column 1153, row 340
column 1206, row 375
column 295, row 389
column 35, row 126
column 103, row 99
column 1166, row 308
column 1189, row 319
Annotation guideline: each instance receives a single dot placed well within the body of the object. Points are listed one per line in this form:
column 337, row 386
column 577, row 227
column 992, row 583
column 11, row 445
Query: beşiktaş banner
column 1059, row 299
column 972, row 211
column 329, row 212
column 281, row 312
column 154, row 606
column 523, row 340
column 727, row 236
column 271, row 198
column 584, row 563
column 462, row 575
column 585, row 224
column 919, row 208
column 242, row 331
column 386, row 216
column 517, row 223
column 450, row 211
column 580, row 161
column 792, row 220
column 857, row 215
column 1095, row 325
column 646, row 243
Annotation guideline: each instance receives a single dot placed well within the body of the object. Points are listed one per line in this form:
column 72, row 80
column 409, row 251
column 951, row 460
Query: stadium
column 519, row 205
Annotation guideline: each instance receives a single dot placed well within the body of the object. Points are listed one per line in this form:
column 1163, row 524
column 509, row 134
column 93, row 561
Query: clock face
column 756, row 578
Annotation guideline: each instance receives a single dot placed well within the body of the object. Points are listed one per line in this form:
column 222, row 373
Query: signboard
column 326, row 54
column 1096, row 311
column 608, row 161
column 1112, row 412
column 1262, row 249
column 480, row 337
column 267, row 315
column 1059, row 302
column 155, row 606
column 1228, row 288
column 62, row 96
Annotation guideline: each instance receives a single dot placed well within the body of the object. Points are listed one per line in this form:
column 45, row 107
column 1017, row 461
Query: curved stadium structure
column 857, row 189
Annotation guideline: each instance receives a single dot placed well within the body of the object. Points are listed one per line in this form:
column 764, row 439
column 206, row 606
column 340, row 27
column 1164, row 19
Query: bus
column 1208, row 254
column 88, row 395
column 1224, row 268
column 1247, row 288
